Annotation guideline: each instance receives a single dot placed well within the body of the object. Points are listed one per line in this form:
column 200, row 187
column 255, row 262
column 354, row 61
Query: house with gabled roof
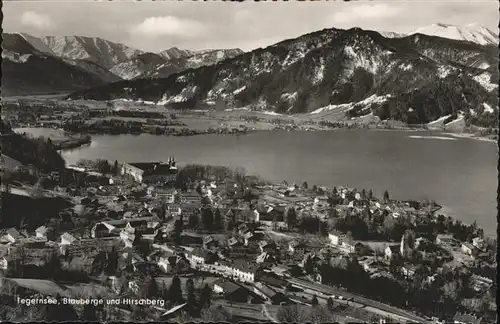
column 41, row 232
column 209, row 242
column 67, row 239
column 233, row 242
column 245, row 270
column 13, row 235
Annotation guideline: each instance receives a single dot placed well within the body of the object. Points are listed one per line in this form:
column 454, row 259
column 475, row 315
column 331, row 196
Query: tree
column 290, row 314
column 205, row 296
column 315, row 188
column 304, row 185
column 370, row 195
column 320, row 314
column 329, row 302
column 193, row 221
column 178, row 227
column 191, row 298
column 290, row 217
column 215, row 314
column 314, row 301
column 89, row 313
column 175, row 291
column 207, row 218
column 116, row 168
column 218, row 220
column 386, row 196
column 151, row 289
column 164, row 292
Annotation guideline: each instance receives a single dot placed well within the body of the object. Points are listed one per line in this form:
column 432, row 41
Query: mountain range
column 474, row 33
column 416, row 78
column 69, row 63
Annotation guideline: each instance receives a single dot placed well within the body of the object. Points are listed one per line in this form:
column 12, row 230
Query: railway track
column 380, row 308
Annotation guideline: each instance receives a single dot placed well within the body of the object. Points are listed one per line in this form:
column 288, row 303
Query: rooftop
column 229, row 287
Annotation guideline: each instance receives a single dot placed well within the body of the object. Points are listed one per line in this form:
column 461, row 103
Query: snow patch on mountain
column 484, row 79
column 406, row 66
column 126, row 70
column 186, row 94
column 373, row 99
column 239, row 90
column 319, row 72
column 15, row 57
column 444, row 71
column 472, row 33
column 487, row 108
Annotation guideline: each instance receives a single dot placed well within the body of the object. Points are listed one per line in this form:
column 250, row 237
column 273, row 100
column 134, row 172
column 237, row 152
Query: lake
column 458, row 173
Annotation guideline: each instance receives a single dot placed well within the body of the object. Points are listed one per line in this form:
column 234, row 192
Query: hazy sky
column 155, row 26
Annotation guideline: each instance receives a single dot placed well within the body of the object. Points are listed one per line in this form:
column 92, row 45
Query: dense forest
column 39, row 152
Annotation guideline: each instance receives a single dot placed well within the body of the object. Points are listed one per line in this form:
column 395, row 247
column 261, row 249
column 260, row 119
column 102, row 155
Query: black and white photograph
column 254, row 161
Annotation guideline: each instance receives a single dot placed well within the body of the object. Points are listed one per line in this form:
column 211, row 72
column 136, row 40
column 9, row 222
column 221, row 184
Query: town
column 216, row 244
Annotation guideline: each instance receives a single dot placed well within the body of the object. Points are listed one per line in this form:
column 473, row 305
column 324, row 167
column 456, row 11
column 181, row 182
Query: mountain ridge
column 328, row 68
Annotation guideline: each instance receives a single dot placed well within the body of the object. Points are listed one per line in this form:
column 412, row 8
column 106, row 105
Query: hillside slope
column 27, row 70
column 417, row 78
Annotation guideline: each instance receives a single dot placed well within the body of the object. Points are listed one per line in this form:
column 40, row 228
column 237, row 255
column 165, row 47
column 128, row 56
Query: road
column 372, row 305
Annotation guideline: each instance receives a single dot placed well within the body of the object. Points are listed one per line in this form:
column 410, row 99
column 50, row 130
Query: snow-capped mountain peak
column 473, row 32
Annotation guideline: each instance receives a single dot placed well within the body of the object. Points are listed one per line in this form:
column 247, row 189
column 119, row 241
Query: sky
column 156, row 26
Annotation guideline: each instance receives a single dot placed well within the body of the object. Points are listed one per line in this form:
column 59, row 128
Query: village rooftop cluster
column 260, row 243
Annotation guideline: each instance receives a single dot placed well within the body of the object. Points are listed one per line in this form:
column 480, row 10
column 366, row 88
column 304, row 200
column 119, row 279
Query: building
column 67, row 239
column 151, row 172
column 4, row 262
column 103, row 229
column 466, row 319
column 167, row 194
column 265, row 246
column 200, row 257
column 391, row 252
column 268, row 294
column 478, row 243
column 244, row 270
column 445, row 239
column 83, row 263
column 209, row 242
column 296, row 247
column 13, row 235
column 248, row 237
column 336, row 238
column 342, row 241
column 408, row 270
column 468, row 248
column 233, row 242
column 230, row 290
column 170, row 264
column 41, row 232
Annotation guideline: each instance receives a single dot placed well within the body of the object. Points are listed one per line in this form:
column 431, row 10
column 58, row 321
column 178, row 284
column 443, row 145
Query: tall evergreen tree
column 386, row 196
column 207, row 218
column 175, row 291
column 191, row 298
column 89, row 313
column 218, row 224
column 151, row 289
column 314, row 301
column 205, row 296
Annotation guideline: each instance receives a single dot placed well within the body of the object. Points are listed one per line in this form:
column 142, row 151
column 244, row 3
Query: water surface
column 460, row 174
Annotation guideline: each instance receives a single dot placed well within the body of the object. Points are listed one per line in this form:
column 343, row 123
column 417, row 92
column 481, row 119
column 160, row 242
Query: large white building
column 151, row 172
